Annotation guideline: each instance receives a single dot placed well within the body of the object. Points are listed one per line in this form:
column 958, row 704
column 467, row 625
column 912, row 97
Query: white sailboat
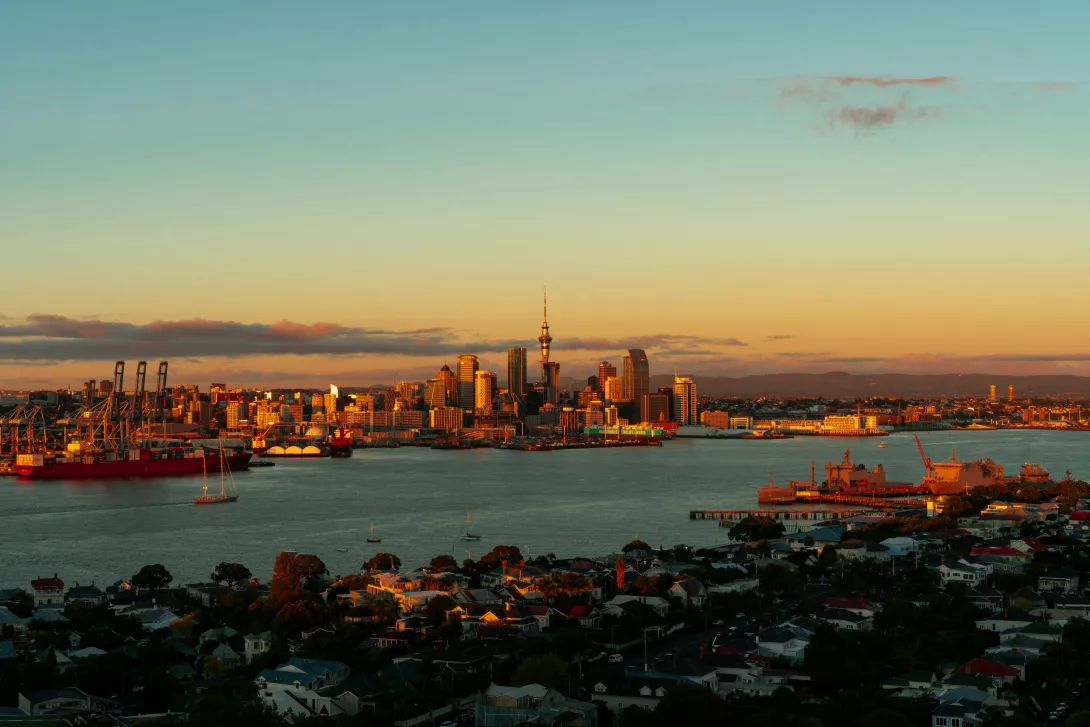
column 372, row 538
column 466, row 535
column 224, row 496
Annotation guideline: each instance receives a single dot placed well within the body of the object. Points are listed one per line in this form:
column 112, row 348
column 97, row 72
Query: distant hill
column 836, row 385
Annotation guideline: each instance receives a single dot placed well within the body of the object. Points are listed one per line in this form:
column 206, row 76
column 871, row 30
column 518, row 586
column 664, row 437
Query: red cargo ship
column 110, row 464
column 340, row 444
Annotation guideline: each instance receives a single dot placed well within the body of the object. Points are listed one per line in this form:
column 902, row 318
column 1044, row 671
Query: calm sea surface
column 574, row 502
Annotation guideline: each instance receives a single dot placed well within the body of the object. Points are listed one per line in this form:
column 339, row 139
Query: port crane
column 923, row 455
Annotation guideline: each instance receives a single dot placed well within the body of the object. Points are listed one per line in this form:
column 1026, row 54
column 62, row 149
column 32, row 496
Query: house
column 205, row 593
column 359, row 692
column 410, row 601
column 67, row 701
column 533, row 704
column 901, row 546
column 228, row 657
column 641, row 691
column 1036, row 630
column 689, row 591
column 783, row 642
column 475, row 595
column 587, row 617
column 863, row 550
column 156, row 619
column 8, row 619
column 1064, row 607
column 847, row 620
column 956, row 713
column 88, row 595
column 818, row 538
column 1010, row 619
column 988, row 599
column 255, row 645
column 220, row 635
column 991, row 670
column 857, row 605
column 309, row 673
column 1058, row 580
column 659, row 605
column 89, row 652
column 47, row 591
column 963, row 571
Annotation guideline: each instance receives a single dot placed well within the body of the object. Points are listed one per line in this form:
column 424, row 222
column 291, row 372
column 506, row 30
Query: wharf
column 814, row 514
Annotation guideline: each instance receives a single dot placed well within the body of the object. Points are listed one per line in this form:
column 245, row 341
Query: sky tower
column 545, row 339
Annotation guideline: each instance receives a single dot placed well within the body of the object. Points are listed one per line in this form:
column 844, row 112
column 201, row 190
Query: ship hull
column 132, row 468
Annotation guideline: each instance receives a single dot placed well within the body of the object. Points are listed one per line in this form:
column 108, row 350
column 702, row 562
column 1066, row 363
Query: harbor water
column 577, row 502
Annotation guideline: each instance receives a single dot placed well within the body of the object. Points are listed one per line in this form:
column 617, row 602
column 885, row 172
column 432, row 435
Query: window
column 940, row 722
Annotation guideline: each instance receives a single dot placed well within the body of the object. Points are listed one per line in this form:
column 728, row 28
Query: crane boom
column 923, row 455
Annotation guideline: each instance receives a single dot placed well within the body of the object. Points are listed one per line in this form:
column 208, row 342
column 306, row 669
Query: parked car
column 717, row 622
column 739, row 615
column 615, row 658
column 448, row 723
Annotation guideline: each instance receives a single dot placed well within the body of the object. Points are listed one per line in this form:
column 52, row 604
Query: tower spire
column 545, row 339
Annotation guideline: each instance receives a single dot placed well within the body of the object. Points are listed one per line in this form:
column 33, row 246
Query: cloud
column 869, row 118
column 887, row 81
column 51, row 338
column 1055, row 86
column 780, row 337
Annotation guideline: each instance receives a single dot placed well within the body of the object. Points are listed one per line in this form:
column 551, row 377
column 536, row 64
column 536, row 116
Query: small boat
column 883, row 445
column 372, row 538
column 466, row 535
column 225, row 471
column 342, row 550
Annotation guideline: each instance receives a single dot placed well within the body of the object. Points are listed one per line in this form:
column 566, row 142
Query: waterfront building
column 612, row 389
column 447, row 418
column 435, row 393
column 484, row 391
column 654, row 408
column 468, row 365
column 612, row 418
column 637, row 375
column 516, row 373
column 684, row 401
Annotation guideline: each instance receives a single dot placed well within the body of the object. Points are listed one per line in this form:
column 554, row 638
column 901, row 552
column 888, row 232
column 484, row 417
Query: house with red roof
column 47, row 591
column 990, row 669
column 856, row 604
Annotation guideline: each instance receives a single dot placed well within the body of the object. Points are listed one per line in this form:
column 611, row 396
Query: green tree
column 232, row 573
column 636, row 544
column 437, row 607
column 549, row 670
column 500, row 553
column 211, row 667
column 383, row 561
column 756, row 528
column 152, row 578
column 686, row 704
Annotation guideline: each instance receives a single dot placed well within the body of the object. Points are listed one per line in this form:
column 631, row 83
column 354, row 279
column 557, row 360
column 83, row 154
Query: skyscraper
column 991, row 393
column 484, row 391
column 516, row 373
column 552, row 382
column 435, row 393
column 450, row 382
column 684, row 401
column 605, row 370
column 1010, row 392
column 637, row 375
column 612, row 389
column 467, row 370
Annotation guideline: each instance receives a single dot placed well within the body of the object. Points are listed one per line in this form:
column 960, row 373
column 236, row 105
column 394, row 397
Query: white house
column 971, row 574
column 689, row 591
column 256, row 644
column 47, row 591
column 901, row 546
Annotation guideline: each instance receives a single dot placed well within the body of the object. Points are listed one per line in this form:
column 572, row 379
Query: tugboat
column 340, row 444
column 205, row 499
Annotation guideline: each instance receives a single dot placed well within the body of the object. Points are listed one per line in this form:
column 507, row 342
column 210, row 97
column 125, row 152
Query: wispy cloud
column 1055, row 86
column 780, row 337
column 887, row 81
column 869, row 118
column 49, row 338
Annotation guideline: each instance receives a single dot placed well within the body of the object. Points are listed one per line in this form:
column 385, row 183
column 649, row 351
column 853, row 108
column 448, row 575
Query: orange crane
column 923, row 455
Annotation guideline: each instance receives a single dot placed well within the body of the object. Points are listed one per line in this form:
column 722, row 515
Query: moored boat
column 136, row 462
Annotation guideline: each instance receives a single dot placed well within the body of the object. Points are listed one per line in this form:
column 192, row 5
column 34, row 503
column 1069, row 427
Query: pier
column 813, row 514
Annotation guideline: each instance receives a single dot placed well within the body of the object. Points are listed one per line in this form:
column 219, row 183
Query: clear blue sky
column 345, row 151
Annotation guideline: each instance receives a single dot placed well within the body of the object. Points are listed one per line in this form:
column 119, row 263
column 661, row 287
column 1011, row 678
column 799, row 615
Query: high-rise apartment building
column 484, row 391
column 684, row 401
column 516, row 373
column 406, row 391
column 317, row 402
column 1010, row 392
column 435, row 393
column 468, row 365
column 611, row 388
column 991, row 393
column 637, row 375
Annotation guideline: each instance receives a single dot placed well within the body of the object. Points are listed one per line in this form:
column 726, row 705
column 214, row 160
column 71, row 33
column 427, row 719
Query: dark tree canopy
column 232, row 573
column 546, row 669
column 635, row 545
column 152, row 578
column 756, row 528
column 383, row 561
column 443, row 563
column 500, row 553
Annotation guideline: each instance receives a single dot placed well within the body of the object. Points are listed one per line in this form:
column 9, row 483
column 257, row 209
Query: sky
column 296, row 193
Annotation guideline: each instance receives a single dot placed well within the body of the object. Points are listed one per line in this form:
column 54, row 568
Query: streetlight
column 431, row 718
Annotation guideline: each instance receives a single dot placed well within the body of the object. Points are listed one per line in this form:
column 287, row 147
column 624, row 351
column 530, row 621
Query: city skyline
column 735, row 194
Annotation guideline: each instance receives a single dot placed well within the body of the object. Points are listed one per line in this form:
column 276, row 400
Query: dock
column 813, row 514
